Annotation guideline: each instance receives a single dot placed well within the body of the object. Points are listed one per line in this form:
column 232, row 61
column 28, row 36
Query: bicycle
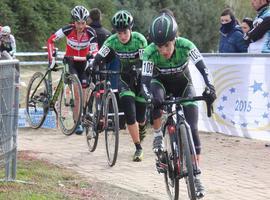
column 40, row 97
column 100, row 113
column 178, row 160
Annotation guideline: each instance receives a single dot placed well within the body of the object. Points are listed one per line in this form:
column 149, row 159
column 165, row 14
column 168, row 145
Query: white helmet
column 6, row 30
column 79, row 13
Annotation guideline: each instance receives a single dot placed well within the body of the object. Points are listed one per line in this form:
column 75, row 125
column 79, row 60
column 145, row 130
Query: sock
column 138, row 146
column 157, row 132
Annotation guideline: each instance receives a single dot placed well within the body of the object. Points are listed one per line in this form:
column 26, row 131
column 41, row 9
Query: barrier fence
column 242, row 83
column 243, row 90
column 9, row 104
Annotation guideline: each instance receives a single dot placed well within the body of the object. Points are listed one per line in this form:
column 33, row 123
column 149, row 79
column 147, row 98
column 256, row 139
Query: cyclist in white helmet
column 7, row 43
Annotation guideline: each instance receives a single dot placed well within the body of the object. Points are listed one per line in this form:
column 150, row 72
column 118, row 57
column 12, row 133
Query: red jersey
column 75, row 46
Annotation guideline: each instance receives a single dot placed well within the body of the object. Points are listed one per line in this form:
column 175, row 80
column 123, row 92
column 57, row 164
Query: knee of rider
column 157, row 101
column 198, row 150
column 157, row 113
column 126, row 102
column 130, row 119
column 141, row 120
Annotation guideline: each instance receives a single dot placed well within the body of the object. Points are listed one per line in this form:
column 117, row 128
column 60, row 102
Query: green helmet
column 163, row 29
column 122, row 20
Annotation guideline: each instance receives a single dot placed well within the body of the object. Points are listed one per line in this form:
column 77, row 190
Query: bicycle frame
column 102, row 93
column 181, row 120
column 53, row 97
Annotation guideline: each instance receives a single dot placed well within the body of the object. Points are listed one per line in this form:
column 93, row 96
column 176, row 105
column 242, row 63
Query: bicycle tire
column 111, row 127
column 67, row 105
column 37, row 116
column 187, row 163
column 171, row 174
column 92, row 123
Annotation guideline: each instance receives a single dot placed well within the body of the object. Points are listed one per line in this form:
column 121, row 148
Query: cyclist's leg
column 191, row 114
column 127, row 99
column 77, row 68
column 140, row 116
column 83, row 77
column 158, row 91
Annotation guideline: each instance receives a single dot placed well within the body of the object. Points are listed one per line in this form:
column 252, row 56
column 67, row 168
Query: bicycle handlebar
column 106, row 72
column 77, row 58
column 179, row 100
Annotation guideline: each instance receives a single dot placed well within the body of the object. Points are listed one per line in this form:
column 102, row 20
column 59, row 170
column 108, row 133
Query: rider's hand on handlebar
column 210, row 93
column 89, row 68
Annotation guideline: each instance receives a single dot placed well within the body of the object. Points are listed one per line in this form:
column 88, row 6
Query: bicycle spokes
column 37, row 100
column 70, row 105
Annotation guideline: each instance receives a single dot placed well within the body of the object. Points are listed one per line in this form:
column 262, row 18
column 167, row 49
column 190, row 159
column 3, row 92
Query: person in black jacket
column 95, row 23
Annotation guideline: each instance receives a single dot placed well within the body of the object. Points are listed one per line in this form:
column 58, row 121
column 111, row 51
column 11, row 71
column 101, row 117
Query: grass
column 44, row 181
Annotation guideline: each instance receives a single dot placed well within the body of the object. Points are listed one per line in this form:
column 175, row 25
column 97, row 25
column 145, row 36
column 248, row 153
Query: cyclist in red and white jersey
column 81, row 41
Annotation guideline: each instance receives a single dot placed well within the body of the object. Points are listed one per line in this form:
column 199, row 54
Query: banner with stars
column 243, row 104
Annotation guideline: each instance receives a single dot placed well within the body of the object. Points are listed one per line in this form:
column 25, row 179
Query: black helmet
column 79, row 13
column 122, row 20
column 163, row 29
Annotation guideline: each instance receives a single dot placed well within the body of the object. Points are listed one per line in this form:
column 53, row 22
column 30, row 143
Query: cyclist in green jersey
column 127, row 46
column 165, row 71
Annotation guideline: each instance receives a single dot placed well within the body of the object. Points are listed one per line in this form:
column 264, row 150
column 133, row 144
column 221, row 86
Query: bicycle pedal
column 197, row 171
column 161, row 167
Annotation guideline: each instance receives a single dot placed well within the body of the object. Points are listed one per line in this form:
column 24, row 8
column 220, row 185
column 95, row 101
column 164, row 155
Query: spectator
column 7, row 43
column 95, row 23
column 231, row 35
column 247, row 25
column 259, row 36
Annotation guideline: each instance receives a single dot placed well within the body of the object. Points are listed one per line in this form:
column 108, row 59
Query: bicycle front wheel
column 70, row 105
column 187, row 163
column 172, row 161
column 91, row 122
column 111, row 128
column 37, row 100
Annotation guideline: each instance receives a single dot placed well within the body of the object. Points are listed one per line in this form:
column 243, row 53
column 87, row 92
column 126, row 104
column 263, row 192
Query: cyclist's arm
column 50, row 43
column 93, row 46
column 104, row 55
column 197, row 60
column 13, row 45
column 258, row 32
column 147, row 73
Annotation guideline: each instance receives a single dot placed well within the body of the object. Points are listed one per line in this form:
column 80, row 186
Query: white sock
column 157, row 132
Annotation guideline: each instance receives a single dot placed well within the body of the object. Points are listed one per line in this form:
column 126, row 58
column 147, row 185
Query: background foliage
column 32, row 22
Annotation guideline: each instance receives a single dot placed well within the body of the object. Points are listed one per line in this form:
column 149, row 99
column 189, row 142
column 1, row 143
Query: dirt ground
column 233, row 168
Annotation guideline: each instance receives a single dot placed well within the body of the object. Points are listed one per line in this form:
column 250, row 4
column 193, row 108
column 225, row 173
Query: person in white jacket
column 7, row 43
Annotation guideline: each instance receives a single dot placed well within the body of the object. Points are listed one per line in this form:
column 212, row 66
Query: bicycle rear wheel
column 172, row 161
column 187, row 163
column 37, row 100
column 70, row 105
column 111, row 128
column 91, row 122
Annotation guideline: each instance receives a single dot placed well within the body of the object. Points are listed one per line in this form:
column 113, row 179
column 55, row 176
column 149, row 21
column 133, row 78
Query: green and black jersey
column 129, row 53
column 175, row 68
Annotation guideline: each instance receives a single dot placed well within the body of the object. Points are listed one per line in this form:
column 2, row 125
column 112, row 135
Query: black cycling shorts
column 78, row 68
